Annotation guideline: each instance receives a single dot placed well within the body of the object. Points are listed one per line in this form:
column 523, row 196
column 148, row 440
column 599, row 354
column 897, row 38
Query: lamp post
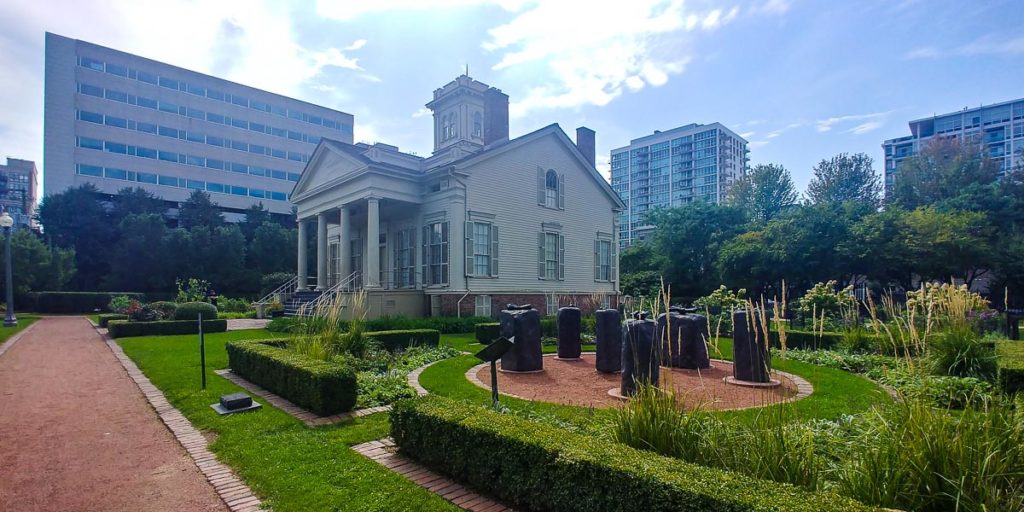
column 6, row 222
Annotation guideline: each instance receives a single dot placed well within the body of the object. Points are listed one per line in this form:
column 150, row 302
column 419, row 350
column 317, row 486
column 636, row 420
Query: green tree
column 139, row 262
column 945, row 245
column 255, row 216
column 747, row 262
column 764, row 192
column 942, row 170
column 199, row 211
column 846, row 178
column 76, row 219
column 273, row 249
column 688, row 239
column 136, row 201
column 876, row 248
column 37, row 267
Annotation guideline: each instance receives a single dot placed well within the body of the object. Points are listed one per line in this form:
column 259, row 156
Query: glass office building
column 118, row 120
column 671, row 168
column 998, row 128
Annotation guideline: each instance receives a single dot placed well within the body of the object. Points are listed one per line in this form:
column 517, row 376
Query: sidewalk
column 76, row 433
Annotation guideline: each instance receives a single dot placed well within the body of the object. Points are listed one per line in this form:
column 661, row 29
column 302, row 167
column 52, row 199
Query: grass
column 291, row 466
column 836, row 392
column 23, row 322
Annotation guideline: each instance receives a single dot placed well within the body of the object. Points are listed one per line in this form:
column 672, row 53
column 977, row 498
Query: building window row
column 190, row 136
column 214, row 94
column 196, row 161
column 194, row 113
column 173, row 181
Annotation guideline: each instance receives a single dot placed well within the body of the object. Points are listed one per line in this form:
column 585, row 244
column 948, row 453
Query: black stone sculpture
column 669, row 325
column 521, row 324
column 609, row 340
column 681, row 338
column 568, row 322
column 639, row 354
column 751, row 360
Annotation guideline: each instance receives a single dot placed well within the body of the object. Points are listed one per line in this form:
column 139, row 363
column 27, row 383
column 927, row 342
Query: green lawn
column 289, row 465
column 23, row 322
column 836, row 392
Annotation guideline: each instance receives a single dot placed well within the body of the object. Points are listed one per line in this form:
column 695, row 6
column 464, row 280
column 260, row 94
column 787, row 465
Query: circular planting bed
column 576, row 382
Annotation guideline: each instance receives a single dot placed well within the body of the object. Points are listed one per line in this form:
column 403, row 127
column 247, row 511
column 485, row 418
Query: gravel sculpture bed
column 579, row 383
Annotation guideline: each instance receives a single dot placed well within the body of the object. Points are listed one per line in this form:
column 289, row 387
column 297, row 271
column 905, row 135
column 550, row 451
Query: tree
column 273, row 249
column 763, row 193
column 688, row 239
column 136, row 201
column 942, row 170
column 225, row 264
column 876, row 248
column 76, row 219
column 36, row 266
column 139, row 262
column 947, row 245
column 255, row 216
column 846, row 178
column 199, row 210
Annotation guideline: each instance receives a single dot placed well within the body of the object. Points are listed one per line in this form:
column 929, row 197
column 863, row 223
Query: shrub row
column 126, row 329
column 72, row 302
column 192, row 310
column 393, row 340
column 444, row 325
column 322, row 387
column 1010, row 365
column 486, row 333
column 541, row 467
column 107, row 318
column 807, row 340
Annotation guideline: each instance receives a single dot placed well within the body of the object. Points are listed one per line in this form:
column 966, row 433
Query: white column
column 371, row 262
column 321, row 252
column 303, row 242
column 344, row 248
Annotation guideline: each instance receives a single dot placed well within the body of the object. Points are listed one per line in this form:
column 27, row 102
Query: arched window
column 478, row 125
column 444, row 127
column 455, row 126
column 551, row 189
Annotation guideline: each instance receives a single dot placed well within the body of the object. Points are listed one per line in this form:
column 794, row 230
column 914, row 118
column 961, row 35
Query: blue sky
column 802, row 80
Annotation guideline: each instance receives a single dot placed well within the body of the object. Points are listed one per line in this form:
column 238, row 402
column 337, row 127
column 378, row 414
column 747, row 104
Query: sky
column 801, row 80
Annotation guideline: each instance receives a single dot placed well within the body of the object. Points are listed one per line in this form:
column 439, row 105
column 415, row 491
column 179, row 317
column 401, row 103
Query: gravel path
column 76, row 433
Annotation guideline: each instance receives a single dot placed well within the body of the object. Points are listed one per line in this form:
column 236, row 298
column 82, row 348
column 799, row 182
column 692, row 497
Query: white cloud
column 924, row 52
column 825, row 125
column 423, row 111
column 988, row 45
column 347, row 10
column 748, row 135
column 863, row 128
column 776, row 7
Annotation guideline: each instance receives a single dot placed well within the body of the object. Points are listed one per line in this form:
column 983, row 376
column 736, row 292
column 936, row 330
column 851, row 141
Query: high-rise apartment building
column 19, row 190
column 673, row 167
column 999, row 128
column 118, row 120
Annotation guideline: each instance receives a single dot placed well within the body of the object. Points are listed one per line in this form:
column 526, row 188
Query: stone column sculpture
column 523, row 324
column 609, row 340
column 694, row 346
column 751, row 360
column 568, row 322
column 639, row 354
column 669, row 325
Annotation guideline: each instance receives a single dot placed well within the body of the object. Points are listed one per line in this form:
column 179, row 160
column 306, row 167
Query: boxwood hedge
column 323, row 387
column 486, row 333
column 1010, row 365
column 191, row 311
column 126, row 329
column 541, row 467
column 73, row 302
column 107, row 318
column 393, row 340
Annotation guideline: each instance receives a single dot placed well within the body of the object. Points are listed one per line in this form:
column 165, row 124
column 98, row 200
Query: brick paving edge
column 384, row 452
column 228, row 486
column 308, row 418
column 9, row 342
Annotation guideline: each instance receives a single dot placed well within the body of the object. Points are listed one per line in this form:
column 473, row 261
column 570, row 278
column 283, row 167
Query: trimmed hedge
column 486, row 333
column 191, row 310
column 541, row 467
column 1010, row 365
column 126, row 329
column 73, row 302
column 393, row 340
column 322, row 387
column 107, row 318
column 444, row 324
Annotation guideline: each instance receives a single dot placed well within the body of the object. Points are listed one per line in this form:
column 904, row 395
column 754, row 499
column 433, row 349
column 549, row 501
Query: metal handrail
column 347, row 284
column 288, row 287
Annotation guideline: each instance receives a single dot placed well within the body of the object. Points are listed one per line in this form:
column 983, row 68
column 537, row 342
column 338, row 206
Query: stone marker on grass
column 568, row 322
column 608, row 330
column 521, row 323
column 640, row 354
column 751, row 359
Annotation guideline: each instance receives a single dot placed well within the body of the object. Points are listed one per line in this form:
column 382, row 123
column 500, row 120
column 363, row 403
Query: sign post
column 491, row 353
column 202, row 350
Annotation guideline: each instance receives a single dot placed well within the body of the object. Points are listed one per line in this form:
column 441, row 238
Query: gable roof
column 350, row 152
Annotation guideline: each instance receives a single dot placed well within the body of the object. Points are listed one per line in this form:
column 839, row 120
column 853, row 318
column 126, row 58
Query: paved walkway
column 76, row 433
column 239, row 324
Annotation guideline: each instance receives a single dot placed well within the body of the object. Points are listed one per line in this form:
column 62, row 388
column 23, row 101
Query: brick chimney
column 495, row 116
column 585, row 143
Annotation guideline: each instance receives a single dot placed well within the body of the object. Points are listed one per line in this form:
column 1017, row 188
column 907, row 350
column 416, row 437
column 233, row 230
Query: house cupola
column 469, row 115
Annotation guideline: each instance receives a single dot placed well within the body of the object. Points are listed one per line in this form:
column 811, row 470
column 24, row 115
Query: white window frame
column 481, row 256
column 604, row 262
column 553, row 198
column 550, row 256
column 551, row 301
column 482, row 305
column 405, row 258
column 435, row 254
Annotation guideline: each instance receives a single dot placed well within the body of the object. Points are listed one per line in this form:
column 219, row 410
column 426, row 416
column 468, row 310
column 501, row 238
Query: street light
column 6, row 222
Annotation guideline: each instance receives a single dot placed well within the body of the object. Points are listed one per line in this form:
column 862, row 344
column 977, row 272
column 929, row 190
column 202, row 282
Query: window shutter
column 469, row 249
column 494, row 250
column 540, row 186
column 424, row 269
column 540, row 256
column 597, row 260
column 561, row 258
column 561, row 191
column 613, row 253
